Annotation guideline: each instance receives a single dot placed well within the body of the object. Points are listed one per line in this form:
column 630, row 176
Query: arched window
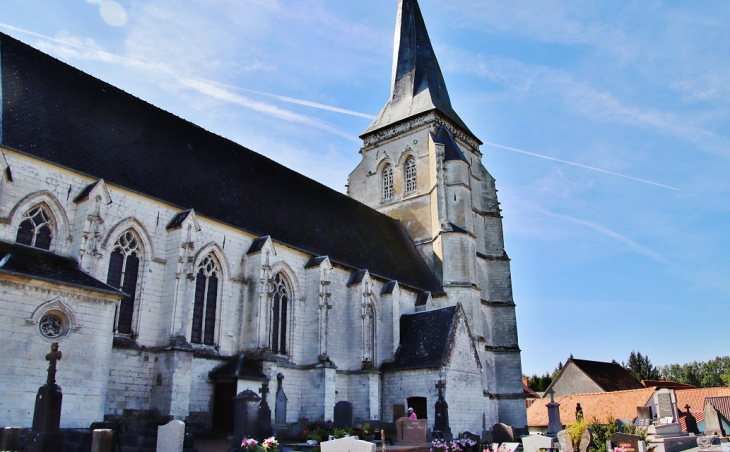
column 36, row 228
column 410, row 175
column 206, row 297
column 124, row 263
column 387, row 182
column 280, row 308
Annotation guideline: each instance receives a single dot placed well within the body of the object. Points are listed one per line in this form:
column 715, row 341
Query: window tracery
column 206, row 300
column 124, row 264
column 410, row 175
column 387, row 182
column 36, row 228
column 280, row 307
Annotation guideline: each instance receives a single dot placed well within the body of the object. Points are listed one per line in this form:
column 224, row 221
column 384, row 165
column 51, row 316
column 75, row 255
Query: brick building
column 198, row 268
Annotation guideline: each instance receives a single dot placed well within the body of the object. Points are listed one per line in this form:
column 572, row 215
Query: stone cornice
column 39, row 286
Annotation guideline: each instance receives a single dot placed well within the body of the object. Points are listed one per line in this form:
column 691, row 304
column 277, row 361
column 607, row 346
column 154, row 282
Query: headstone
column 411, row 432
column 102, row 440
column 554, row 423
column 343, row 415
column 347, row 445
column 564, row 440
column 280, row 407
column 45, row 435
column 264, row 429
column 399, row 411
column 170, row 437
column 690, row 422
column 245, row 419
column 665, row 409
column 503, row 433
column 441, row 423
column 630, row 442
column 11, row 438
column 586, row 440
column 713, row 426
column 534, row 443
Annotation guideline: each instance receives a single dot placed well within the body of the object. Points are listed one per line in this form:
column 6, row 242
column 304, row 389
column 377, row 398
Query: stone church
column 172, row 294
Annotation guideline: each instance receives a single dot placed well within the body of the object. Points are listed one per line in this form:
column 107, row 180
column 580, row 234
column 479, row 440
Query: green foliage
column 708, row 374
column 602, row 433
column 575, row 431
column 640, row 367
column 631, row 429
column 540, row 383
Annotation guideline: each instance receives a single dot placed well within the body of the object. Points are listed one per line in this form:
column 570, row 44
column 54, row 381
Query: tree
column 640, row 367
column 708, row 374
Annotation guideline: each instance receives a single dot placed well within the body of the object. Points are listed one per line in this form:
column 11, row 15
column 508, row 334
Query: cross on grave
column 264, row 391
column 53, row 358
column 441, row 385
column 686, row 407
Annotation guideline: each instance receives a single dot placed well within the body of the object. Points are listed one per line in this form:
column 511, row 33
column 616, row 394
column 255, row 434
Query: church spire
column 417, row 83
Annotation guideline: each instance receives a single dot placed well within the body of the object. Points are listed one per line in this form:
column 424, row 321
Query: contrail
column 582, row 166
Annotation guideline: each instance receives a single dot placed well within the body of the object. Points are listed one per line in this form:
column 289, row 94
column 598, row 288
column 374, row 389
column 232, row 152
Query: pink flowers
column 268, row 445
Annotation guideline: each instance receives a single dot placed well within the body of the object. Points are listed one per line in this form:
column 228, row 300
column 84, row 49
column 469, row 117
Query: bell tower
column 422, row 165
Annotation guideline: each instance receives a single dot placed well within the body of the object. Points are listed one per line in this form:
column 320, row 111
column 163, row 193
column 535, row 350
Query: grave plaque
column 630, row 442
column 534, row 443
column 564, row 440
column 665, row 405
column 411, row 432
column 503, row 433
column 343, row 415
column 170, row 437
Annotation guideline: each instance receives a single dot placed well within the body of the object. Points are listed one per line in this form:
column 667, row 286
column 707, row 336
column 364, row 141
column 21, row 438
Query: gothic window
column 410, row 175
column 206, row 297
column 124, row 264
column 36, row 228
column 387, row 183
column 279, row 307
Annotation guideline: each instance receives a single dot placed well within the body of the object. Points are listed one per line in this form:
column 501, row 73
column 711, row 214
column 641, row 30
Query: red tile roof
column 721, row 404
column 695, row 398
column 599, row 405
column 698, row 415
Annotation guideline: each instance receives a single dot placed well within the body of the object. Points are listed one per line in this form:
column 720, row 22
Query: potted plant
column 367, row 433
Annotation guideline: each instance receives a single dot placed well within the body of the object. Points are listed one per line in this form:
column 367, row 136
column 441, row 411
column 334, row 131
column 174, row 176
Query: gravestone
column 643, row 416
column 11, row 438
column 630, row 442
column 586, row 440
column 713, row 426
column 170, row 437
column 102, row 440
column 45, row 435
column 245, row 419
column 399, row 411
column 477, row 447
column 664, row 401
column 691, row 422
column 564, row 441
column 264, row 415
column 533, row 443
column 554, row 422
column 503, row 433
column 411, row 432
column 343, row 415
column 348, row 444
column 280, row 407
column 441, row 424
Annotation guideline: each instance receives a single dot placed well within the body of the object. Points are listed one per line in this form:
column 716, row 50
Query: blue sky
column 605, row 124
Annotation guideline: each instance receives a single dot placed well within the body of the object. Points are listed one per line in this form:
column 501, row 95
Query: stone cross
column 53, row 358
column 264, row 391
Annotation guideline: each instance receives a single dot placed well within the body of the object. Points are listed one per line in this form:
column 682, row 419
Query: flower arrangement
column 457, row 445
column 366, row 429
column 620, row 449
column 268, row 445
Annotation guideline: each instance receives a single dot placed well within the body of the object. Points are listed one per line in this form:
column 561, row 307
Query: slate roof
column 608, row 376
column 452, row 151
column 418, row 85
column 425, row 338
column 59, row 114
column 620, row 404
column 665, row 384
column 696, row 398
column 46, row 266
column 239, row 367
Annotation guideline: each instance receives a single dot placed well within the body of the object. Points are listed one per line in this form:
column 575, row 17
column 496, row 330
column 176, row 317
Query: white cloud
column 113, row 13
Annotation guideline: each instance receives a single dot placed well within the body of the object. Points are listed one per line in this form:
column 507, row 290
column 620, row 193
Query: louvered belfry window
column 123, row 274
column 410, row 173
column 387, row 183
column 279, row 307
column 36, row 229
column 206, row 300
